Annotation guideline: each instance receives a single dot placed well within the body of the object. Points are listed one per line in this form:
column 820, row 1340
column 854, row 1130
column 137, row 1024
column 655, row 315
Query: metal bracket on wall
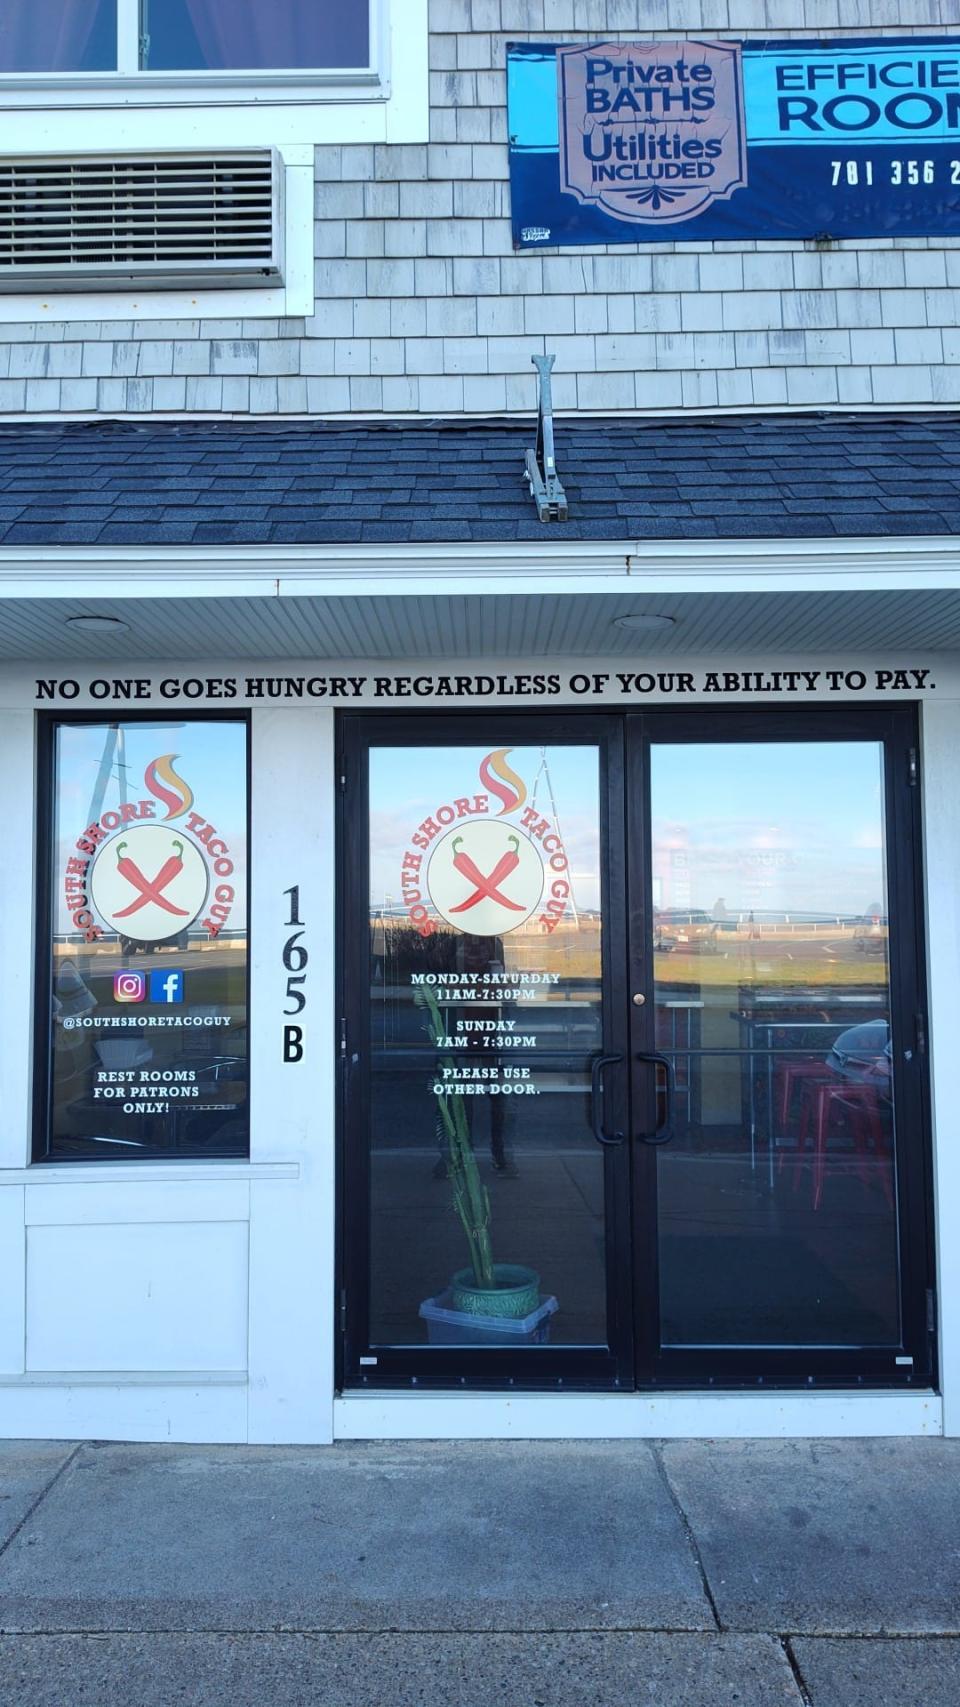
column 540, row 467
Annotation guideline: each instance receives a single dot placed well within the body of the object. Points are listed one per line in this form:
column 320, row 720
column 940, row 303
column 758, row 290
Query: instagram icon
column 129, row 987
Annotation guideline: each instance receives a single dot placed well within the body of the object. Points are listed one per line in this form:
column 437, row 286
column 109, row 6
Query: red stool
column 860, row 1105
column 792, row 1074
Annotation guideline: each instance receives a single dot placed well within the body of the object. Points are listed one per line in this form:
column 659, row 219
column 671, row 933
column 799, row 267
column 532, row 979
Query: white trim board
column 146, row 1173
column 200, row 1410
column 630, row 565
column 634, row 1416
column 195, row 1412
column 127, row 1378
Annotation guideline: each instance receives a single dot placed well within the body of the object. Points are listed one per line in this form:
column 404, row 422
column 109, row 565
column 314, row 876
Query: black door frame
column 634, row 1357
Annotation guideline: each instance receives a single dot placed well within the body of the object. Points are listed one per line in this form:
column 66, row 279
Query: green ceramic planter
column 516, row 1293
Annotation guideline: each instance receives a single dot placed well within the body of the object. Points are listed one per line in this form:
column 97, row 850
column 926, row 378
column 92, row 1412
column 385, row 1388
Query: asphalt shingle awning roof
column 115, row 483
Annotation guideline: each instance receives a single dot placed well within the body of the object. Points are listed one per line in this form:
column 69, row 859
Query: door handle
column 596, row 1100
column 664, row 1133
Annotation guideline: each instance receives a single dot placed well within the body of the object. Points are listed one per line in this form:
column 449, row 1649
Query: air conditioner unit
column 204, row 217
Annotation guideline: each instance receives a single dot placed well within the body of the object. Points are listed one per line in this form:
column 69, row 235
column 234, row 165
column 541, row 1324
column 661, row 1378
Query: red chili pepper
column 150, row 891
column 486, row 887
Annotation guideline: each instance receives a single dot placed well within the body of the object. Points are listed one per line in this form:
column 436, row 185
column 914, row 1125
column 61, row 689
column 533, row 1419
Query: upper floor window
column 252, row 35
column 40, row 37
column 58, row 35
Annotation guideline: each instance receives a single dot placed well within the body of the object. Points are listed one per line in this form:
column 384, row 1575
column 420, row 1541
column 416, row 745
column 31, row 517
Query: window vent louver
column 98, row 221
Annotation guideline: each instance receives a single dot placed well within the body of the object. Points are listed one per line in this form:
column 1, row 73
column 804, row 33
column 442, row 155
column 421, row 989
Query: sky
column 779, row 825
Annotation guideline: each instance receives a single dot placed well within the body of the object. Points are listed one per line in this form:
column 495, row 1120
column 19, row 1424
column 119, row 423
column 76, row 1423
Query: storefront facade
column 480, row 934
column 681, row 1076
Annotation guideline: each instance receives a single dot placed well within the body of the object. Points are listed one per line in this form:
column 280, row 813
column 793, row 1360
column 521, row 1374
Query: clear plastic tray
column 457, row 1327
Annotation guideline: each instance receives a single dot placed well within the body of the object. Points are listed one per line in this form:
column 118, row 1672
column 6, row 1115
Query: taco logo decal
column 486, row 863
column 147, row 880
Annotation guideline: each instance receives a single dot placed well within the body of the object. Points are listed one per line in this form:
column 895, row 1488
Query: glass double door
column 633, row 1076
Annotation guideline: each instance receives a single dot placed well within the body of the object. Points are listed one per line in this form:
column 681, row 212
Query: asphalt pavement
column 475, row 1574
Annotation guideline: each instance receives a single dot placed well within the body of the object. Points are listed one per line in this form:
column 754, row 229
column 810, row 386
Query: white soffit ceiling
column 484, row 626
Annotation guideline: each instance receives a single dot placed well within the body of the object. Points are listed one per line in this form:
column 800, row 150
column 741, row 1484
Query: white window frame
column 51, row 115
column 128, row 85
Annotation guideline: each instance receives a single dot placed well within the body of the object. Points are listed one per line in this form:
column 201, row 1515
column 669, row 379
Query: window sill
column 164, row 1169
column 191, row 88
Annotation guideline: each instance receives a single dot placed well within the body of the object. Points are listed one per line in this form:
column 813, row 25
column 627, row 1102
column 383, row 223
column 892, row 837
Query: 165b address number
column 295, row 960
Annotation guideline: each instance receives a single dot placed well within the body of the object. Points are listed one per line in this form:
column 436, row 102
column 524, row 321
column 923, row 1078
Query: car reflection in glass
column 691, row 931
column 864, row 1054
column 870, row 933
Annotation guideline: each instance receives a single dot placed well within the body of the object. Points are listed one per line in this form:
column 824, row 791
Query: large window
column 39, row 36
column 142, row 1017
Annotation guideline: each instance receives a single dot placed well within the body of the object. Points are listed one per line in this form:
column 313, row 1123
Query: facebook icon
column 166, row 986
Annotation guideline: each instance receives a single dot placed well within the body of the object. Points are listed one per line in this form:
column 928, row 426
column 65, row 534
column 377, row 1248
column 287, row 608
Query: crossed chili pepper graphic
column 150, row 889
column 486, row 887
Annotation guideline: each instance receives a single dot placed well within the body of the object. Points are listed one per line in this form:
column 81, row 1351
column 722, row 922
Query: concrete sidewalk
column 707, row 1574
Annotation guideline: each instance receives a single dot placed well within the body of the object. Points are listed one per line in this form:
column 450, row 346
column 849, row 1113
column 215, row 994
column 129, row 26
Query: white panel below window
column 156, row 1297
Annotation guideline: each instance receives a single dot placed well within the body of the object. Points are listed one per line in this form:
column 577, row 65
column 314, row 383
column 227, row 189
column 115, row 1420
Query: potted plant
column 486, row 1293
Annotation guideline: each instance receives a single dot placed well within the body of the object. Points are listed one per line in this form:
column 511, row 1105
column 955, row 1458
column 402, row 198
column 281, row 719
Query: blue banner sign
column 681, row 141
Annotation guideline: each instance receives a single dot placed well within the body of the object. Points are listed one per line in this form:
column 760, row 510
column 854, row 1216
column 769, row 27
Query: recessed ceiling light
column 642, row 621
column 96, row 624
